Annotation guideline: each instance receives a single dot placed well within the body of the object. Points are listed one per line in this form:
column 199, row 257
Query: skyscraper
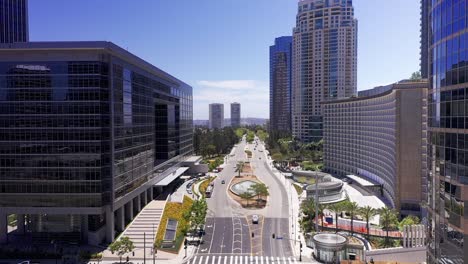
column 280, row 85
column 447, row 194
column 235, row 115
column 324, row 62
column 216, row 116
column 89, row 133
column 14, row 21
column 424, row 38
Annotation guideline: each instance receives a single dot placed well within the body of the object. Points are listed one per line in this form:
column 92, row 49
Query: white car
column 254, row 219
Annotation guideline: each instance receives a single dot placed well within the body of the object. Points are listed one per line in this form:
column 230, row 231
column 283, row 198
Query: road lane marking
column 256, row 259
column 225, row 260
column 213, row 260
column 290, row 261
column 207, row 258
column 212, row 234
column 194, row 260
column 235, row 260
column 201, row 259
column 219, row 260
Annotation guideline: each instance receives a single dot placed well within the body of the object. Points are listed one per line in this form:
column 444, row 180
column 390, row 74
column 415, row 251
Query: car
column 223, row 182
column 254, row 219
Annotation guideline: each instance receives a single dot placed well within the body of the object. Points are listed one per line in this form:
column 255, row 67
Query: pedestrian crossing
column 236, row 259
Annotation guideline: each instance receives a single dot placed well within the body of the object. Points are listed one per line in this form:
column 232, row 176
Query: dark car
column 223, row 182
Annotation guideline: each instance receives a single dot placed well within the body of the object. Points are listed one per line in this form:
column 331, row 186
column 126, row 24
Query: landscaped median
column 177, row 212
column 204, row 185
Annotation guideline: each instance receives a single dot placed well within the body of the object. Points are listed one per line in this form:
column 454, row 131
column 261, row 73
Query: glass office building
column 86, row 128
column 324, row 55
column 14, row 21
column 235, row 115
column 280, row 85
column 448, row 121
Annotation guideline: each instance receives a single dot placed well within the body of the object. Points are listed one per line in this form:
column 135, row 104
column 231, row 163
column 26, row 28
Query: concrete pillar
column 120, row 220
column 144, row 199
column 20, row 223
column 151, row 193
column 3, row 228
column 129, row 211
column 137, row 204
column 110, row 233
column 84, row 229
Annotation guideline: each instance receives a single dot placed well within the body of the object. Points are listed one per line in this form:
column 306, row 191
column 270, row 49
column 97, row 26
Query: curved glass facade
column 448, row 119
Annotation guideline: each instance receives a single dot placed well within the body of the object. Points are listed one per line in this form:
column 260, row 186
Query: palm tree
column 367, row 212
column 352, row 208
column 337, row 208
column 308, row 209
column 239, row 167
column 388, row 219
column 321, row 211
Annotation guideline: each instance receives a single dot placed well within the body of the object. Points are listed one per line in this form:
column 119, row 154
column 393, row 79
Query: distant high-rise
column 280, row 85
column 235, row 115
column 424, row 38
column 216, row 116
column 14, row 21
column 324, row 62
column 447, row 182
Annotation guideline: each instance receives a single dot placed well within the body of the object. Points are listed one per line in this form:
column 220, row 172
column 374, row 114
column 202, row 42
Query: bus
column 209, row 191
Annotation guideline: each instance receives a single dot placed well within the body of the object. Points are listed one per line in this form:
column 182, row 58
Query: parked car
column 254, row 219
column 223, row 182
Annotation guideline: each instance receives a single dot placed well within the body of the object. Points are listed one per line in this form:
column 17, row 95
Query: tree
column 259, row 190
column 308, row 211
column 409, row 220
column 352, row 208
column 388, row 220
column 122, row 246
column 247, row 196
column 277, row 157
column 198, row 213
column 239, row 167
column 415, row 76
column 321, row 212
column 367, row 212
column 337, row 208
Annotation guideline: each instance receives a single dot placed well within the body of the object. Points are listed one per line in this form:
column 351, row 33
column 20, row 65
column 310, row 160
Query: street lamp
column 316, row 201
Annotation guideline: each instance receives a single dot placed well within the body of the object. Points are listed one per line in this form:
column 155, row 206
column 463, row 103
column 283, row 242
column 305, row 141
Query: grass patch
column 174, row 211
column 305, row 180
column 298, row 188
column 205, row 184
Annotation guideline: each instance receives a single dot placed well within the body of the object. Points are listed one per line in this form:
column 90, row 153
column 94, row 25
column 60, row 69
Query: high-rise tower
column 447, row 185
column 235, row 115
column 14, row 21
column 324, row 62
column 280, row 85
column 425, row 38
column 216, row 116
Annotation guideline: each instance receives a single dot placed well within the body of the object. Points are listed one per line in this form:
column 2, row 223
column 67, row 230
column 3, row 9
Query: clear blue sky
column 220, row 47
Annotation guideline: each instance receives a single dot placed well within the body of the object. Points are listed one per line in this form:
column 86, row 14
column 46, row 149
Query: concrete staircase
column 143, row 223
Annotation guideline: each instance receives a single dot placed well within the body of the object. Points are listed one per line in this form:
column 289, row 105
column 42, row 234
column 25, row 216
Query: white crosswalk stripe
column 232, row 259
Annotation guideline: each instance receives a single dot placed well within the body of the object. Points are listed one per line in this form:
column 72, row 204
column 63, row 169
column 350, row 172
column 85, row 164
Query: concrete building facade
column 235, row 115
column 89, row 134
column 447, row 197
column 280, row 85
column 324, row 62
column 14, row 25
column 216, row 116
column 382, row 139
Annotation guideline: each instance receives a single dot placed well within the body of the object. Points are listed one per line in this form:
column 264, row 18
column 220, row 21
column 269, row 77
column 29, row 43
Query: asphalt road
column 229, row 229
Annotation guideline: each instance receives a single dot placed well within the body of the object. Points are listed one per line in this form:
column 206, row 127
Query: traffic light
column 300, row 246
column 273, row 236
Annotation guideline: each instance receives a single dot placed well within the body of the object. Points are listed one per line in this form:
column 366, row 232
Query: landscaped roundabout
column 246, row 189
